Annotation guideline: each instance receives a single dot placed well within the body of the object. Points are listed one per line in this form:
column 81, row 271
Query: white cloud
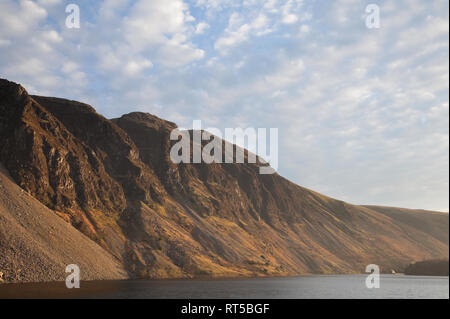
column 201, row 27
column 152, row 22
column 368, row 107
column 288, row 17
column 157, row 30
column 239, row 30
column 49, row 2
column 174, row 54
column 69, row 67
column 288, row 73
column 271, row 6
column 51, row 36
column 30, row 66
column 304, row 28
column 17, row 19
column 133, row 67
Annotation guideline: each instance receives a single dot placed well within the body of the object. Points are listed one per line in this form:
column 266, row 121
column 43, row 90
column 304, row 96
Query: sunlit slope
column 116, row 183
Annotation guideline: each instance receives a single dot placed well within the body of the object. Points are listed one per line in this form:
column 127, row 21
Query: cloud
column 136, row 66
column 288, row 17
column 49, row 2
column 18, row 19
column 152, row 32
column 304, row 28
column 153, row 22
column 362, row 113
column 239, row 30
column 51, row 36
column 201, row 27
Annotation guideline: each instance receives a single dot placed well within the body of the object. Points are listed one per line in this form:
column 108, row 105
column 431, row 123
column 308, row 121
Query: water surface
column 303, row 287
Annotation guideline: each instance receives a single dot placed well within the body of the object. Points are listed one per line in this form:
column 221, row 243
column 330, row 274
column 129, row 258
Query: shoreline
column 196, row 279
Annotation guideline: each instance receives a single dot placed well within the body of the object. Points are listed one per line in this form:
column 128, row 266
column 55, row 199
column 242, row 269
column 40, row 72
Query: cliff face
column 115, row 181
column 37, row 245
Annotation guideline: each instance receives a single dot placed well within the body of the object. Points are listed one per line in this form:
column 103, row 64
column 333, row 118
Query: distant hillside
column 114, row 181
column 434, row 223
column 428, row 268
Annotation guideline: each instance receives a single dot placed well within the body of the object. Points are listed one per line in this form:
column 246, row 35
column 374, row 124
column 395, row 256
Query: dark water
column 335, row 287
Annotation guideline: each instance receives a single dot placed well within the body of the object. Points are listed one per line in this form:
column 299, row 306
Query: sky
column 362, row 113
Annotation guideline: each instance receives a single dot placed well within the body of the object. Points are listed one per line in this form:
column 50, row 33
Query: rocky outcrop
column 114, row 181
column 37, row 245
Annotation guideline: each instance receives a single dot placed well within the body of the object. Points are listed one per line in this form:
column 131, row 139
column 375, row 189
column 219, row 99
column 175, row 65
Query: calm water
column 335, row 287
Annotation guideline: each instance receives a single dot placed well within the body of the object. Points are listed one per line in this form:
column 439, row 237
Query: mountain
column 37, row 245
column 114, row 181
column 428, row 268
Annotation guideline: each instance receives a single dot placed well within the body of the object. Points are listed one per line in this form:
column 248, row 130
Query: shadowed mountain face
column 428, row 268
column 115, row 181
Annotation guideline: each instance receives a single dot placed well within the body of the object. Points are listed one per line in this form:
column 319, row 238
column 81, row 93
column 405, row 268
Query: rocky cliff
column 37, row 245
column 114, row 181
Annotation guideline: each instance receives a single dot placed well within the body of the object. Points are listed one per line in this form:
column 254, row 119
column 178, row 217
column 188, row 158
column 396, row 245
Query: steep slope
column 269, row 225
column 115, row 180
column 37, row 245
column 62, row 172
column 433, row 223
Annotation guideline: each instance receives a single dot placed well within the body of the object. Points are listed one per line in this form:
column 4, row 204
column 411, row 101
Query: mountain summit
column 113, row 180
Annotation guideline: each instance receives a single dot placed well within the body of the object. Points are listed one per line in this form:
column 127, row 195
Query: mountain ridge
column 114, row 180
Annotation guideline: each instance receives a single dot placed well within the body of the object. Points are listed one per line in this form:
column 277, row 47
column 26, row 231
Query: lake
column 302, row 287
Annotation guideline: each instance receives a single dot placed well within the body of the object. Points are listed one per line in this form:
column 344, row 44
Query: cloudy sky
column 363, row 114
